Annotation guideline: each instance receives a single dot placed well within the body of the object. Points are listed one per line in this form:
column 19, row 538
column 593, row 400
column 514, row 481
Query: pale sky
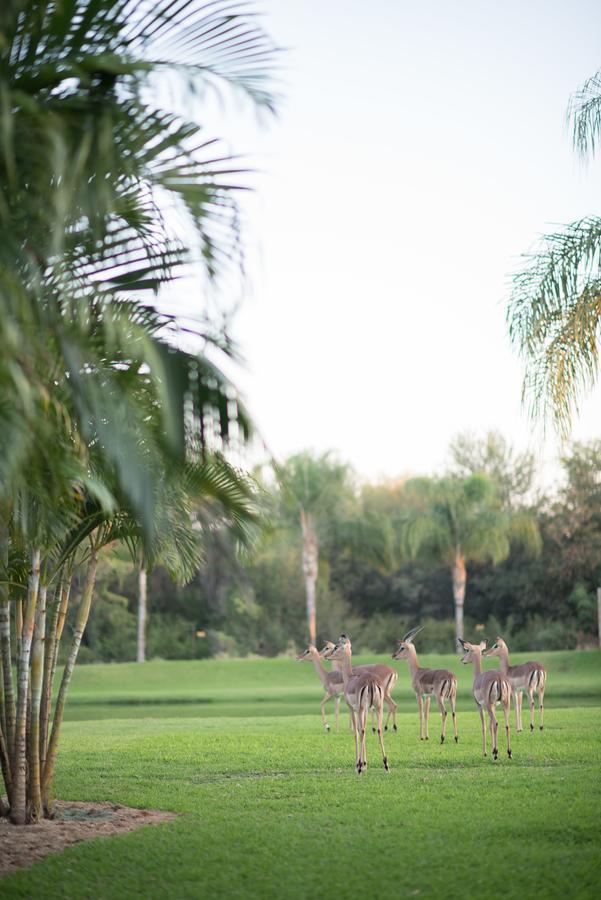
column 421, row 147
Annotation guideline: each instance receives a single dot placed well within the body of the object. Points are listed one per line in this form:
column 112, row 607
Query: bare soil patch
column 21, row 846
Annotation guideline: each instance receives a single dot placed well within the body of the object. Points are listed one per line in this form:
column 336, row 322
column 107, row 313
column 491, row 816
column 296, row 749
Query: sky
column 420, row 148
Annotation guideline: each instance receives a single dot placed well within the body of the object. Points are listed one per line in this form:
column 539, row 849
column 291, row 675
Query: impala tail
column 538, row 679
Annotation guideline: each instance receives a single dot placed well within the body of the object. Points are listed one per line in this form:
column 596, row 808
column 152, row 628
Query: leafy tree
column 554, row 312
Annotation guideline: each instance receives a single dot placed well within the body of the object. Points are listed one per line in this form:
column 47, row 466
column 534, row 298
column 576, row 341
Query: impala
column 489, row 689
column 428, row 683
column 362, row 692
column 529, row 677
column 332, row 682
column 387, row 675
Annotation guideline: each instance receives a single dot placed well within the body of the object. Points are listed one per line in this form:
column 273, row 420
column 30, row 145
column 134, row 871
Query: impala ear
column 462, row 642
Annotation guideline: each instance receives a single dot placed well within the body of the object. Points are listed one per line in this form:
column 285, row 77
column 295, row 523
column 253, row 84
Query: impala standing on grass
column 362, row 692
column 387, row 675
column 529, row 677
column 427, row 683
column 489, row 689
column 332, row 682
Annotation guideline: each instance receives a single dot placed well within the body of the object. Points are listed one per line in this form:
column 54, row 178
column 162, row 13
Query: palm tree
column 313, row 491
column 108, row 425
column 457, row 521
column 554, row 313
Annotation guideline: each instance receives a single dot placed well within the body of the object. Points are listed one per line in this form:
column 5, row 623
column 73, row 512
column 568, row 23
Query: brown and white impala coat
column 332, row 682
column 529, row 677
column 362, row 691
column 387, row 675
column 427, row 683
column 489, row 689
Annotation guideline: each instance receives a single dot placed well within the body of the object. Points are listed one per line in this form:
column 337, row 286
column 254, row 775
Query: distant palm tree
column 313, row 489
column 457, row 521
column 554, row 313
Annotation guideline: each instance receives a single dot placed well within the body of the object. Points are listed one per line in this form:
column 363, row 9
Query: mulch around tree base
column 21, row 846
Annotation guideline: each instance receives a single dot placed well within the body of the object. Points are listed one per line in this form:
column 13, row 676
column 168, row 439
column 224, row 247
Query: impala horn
column 411, row 634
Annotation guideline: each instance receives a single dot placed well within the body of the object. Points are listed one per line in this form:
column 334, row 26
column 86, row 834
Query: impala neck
column 504, row 660
column 412, row 660
column 346, row 668
column 320, row 669
column 477, row 663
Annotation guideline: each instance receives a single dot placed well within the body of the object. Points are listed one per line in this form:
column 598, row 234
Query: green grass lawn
column 271, row 806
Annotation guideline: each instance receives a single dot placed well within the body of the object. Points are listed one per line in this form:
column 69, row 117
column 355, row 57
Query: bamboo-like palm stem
column 37, row 672
column 6, row 767
column 61, row 599
column 80, row 623
column 18, row 627
column 9, row 708
column 18, row 811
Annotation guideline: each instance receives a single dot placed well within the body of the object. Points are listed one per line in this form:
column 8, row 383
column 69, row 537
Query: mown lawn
column 271, row 806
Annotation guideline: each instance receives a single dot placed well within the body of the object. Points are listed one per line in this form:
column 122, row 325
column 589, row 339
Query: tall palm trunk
column 459, row 576
column 37, row 677
column 142, row 598
column 310, row 568
column 18, row 807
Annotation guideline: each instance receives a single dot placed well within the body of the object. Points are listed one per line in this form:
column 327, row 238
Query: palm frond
column 554, row 316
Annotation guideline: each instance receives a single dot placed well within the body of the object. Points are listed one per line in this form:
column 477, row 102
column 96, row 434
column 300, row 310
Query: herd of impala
column 368, row 688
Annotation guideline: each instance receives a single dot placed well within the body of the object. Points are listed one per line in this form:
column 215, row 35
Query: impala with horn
column 489, row 689
column 428, row 683
column 529, row 677
column 362, row 691
column 387, row 675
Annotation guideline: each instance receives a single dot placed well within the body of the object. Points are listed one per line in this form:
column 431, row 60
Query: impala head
column 327, row 648
column 471, row 651
column 405, row 648
column 307, row 654
column 498, row 648
column 340, row 650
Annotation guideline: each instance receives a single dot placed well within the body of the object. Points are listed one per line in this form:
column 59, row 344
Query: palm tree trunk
column 55, row 630
column 6, row 673
column 81, row 620
column 310, row 569
column 18, row 808
column 459, row 576
column 37, row 675
column 142, row 596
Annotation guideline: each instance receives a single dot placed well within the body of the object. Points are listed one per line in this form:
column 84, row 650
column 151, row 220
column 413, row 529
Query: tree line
column 479, row 547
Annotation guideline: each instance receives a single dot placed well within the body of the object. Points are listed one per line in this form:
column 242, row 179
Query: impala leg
column 494, row 727
column 483, row 723
column 531, row 704
column 381, row 739
column 323, row 711
column 363, row 719
column 517, row 696
column 336, row 711
column 355, row 724
column 541, row 697
column 454, row 714
column 444, row 714
column 391, row 712
column 420, row 706
column 506, row 713
column 427, row 716
column 373, row 721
